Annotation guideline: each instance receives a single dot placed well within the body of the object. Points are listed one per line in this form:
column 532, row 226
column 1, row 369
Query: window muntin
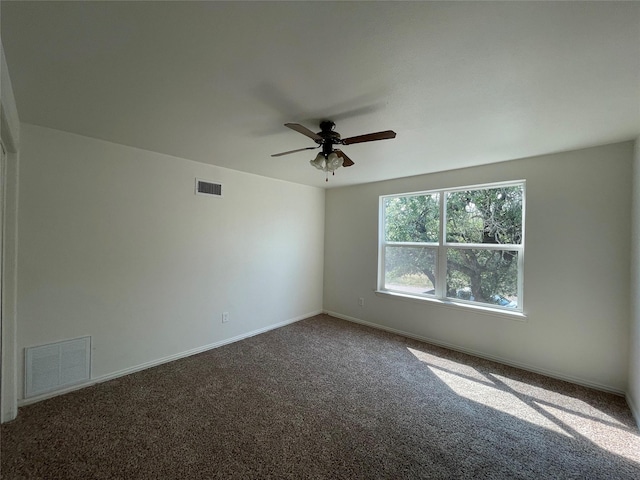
column 465, row 245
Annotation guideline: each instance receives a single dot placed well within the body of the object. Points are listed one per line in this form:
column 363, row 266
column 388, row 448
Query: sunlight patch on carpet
column 608, row 437
column 570, row 404
column 459, row 368
column 468, row 383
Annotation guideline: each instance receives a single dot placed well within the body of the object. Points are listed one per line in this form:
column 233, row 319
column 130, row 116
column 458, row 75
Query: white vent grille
column 210, row 189
column 57, row 365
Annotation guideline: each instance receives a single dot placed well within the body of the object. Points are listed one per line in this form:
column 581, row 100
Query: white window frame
column 442, row 246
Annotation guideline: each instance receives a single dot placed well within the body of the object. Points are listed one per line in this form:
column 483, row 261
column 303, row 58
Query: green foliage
column 483, row 216
column 491, row 215
column 412, row 219
column 486, row 273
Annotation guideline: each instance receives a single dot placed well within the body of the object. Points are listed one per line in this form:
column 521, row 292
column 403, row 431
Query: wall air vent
column 57, row 365
column 210, row 189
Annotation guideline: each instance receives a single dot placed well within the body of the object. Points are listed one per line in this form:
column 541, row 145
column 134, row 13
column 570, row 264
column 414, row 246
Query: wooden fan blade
column 369, row 137
column 294, row 151
column 303, row 130
column 346, row 161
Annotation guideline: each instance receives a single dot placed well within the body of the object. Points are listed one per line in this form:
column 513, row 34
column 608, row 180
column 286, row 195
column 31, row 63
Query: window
column 464, row 245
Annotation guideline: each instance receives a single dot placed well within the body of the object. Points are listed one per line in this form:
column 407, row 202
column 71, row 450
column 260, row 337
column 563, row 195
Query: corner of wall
column 633, row 389
column 8, row 109
column 10, row 135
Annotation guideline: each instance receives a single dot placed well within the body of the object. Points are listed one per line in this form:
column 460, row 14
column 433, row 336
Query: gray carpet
column 325, row 399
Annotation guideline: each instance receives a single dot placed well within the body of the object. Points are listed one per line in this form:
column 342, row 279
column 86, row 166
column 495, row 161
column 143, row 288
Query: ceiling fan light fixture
column 333, row 162
column 318, row 162
column 330, row 163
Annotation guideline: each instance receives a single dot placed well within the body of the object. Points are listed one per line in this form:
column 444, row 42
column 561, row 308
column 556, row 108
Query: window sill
column 438, row 302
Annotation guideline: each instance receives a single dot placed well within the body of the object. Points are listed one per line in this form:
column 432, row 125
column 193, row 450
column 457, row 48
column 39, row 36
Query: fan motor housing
column 328, row 136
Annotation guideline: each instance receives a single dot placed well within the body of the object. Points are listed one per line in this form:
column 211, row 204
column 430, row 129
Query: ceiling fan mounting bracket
column 327, row 126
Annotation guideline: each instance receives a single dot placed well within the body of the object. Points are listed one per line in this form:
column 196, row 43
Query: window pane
column 490, row 215
column 412, row 219
column 410, row 269
column 484, row 276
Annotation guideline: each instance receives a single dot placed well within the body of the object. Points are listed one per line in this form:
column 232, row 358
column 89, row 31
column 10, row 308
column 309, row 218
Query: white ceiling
column 461, row 83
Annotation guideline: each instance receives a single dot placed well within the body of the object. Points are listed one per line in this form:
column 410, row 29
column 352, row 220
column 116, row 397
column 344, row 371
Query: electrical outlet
column 225, row 317
column 361, row 302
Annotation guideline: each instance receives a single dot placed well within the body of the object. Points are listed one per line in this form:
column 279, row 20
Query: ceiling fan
column 330, row 159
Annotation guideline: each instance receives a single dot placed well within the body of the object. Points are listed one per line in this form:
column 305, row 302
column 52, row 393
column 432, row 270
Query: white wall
column 576, row 275
column 633, row 392
column 114, row 244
